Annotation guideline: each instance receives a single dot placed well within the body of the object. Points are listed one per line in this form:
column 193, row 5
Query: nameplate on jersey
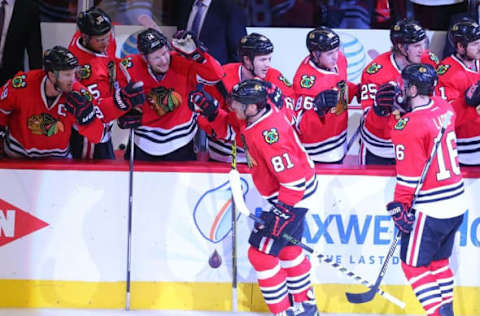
column 271, row 136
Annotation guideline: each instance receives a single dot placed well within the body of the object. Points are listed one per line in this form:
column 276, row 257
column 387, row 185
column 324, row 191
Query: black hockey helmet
column 94, row 21
column 150, row 40
column 464, row 32
column 407, row 31
column 422, row 76
column 59, row 58
column 322, row 39
column 252, row 91
column 255, row 44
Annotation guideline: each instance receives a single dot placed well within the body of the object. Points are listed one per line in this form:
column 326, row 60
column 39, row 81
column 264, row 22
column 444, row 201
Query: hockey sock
column 272, row 280
column 297, row 267
column 444, row 277
column 425, row 287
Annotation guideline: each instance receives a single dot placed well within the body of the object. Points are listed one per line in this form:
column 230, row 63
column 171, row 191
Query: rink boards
column 63, row 238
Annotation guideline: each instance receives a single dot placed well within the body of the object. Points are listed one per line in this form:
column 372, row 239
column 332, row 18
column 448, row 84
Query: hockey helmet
column 464, row 32
column 407, row 31
column 150, row 40
column 59, row 58
column 94, row 21
column 252, row 91
column 422, row 76
column 255, row 44
column 322, row 39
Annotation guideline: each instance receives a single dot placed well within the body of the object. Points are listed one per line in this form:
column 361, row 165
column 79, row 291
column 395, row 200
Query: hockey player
column 457, row 73
column 256, row 52
column 165, row 128
column 409, row 47
column 428, row 231
column 40, row 108
column 322, row 93
column 94, row 46
column 284, row 174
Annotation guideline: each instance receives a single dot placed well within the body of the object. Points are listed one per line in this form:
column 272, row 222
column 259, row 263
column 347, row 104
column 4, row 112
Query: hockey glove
column 324, row 101
column 130, row 96
column 82, row 108
column 274, row 94
column 131, row 119
column 201, row 102
column 384, row 99
column 187, row 45
column 402, row 218
column 278, row 218
column 472, row 95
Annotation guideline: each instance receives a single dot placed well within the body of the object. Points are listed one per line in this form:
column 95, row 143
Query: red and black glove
column 187, row 44
column 81, row 107
column 324, row 101
column 130, row 96
column 402, row 217
column 202, row 102
column 131, row 119
column 472, row 95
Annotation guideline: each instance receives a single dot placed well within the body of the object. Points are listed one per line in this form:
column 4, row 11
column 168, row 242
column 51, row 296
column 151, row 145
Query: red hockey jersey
column 282, row 170
column 454, row 78
column 323, row 138
column 441, row 195
column 162, row 133
column 35, row 129
column 224, row 129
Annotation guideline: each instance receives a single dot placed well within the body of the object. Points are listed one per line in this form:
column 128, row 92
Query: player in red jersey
column 94, row 46
column 409, row 47
column 164, row 130
column 284, row 175
column 457, row 73
column 256, row 52
column 428, row 230
column 40, row 108
column 323, row 92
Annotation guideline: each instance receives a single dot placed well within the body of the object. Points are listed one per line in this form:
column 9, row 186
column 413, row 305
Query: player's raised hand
column 385, row 99
column 202, row 102
column 81, row 107
column 325, row 101
column 186, row 44
column 130, row 96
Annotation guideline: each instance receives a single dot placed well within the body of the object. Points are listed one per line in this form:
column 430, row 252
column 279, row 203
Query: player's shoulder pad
column 373, row 68
column 271, row 136
column 442, row 69
column 80, row 88
column 19, row 80
column 84, row 72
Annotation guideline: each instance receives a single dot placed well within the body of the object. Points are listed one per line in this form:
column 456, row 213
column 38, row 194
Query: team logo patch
column 127, row 62
column 442, row 69
column 44, row 124
column 163, row 100
column 401, row 123
column 271, row 136
column 19, row 81
column 307, row 81
column 85, row 72
column 87, row 94
column 373, row 68
column 433, row 58
column 285, row 81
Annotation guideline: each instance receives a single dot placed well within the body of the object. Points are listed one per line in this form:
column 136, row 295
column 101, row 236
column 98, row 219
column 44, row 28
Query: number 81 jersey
column 441, row 195
column 281, row 168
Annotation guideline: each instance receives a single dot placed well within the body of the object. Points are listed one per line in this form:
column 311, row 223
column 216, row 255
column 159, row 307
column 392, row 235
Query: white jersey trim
column 329, row 150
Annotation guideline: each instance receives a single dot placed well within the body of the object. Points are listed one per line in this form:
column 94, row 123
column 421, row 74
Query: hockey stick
column 353, row 138
column 236, row 188
column 359, row 298
column 234, row 237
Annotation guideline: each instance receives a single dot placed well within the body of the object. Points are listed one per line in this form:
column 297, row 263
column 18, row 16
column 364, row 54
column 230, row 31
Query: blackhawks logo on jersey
column 19, row 81
column 87, row 94
column 164, row 100
column 44, row 124
column 127, row 62
column 307, row 81
column 85, row 72
column 285, row 81
column 373, row 68
column 401, row 123
column 442, row 69
column 271, row 136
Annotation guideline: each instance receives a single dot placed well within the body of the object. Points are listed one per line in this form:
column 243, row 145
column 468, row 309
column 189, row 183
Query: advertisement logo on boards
column 15, row 223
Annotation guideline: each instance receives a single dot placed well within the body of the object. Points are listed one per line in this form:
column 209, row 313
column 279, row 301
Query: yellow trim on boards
column 205, row 296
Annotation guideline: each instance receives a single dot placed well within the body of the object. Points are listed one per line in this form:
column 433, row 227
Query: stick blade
column 359, row 298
